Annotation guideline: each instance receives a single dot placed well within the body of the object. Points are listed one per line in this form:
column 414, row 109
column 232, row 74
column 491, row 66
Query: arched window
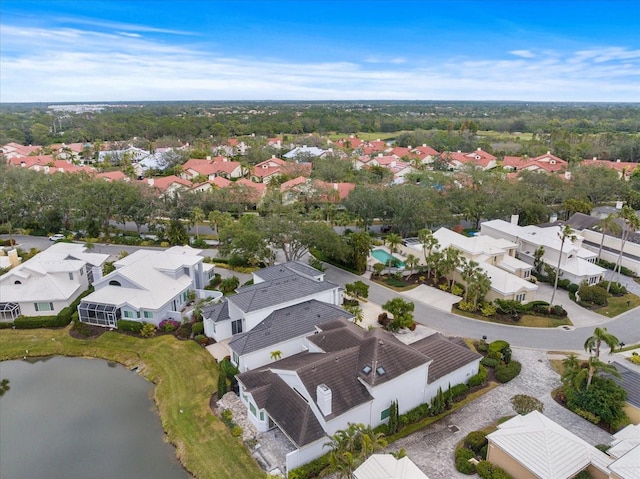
column 17, row 282
column 113, row 282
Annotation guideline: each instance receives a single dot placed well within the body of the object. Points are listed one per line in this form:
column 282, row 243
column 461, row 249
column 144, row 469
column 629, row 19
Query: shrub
column 458, row 390
column 33, row 322
column 523, row 404
column 236, row 431
column 530, row 306
column 509, row 307
column 488, row 310
column 486, row 470
column 635, row 359
column 457, row 290
column 490, row 362
column 197, row 328
column 587, row 415
column 593, row 294
column 482, row 346
column 475, row 441
column 129, row 326
column 414, row 415
column 462, row 456
column 615, row 289
column 311, row 469
column 573, row 288
column 478, row 379
column 383, row 319
column 506, row 372
column 4, row 325
column 444, row 286
column 559, row 311
column 466, row 306
column 148, row 330
column 497, row 349
column 168, row 325
column 564, row 283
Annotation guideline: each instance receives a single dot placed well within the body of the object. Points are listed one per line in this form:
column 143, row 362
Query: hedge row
column 478, row 379
column 311, row 469
column 130, row 326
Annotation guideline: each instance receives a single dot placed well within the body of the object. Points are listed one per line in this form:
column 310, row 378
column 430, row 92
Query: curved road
column 625, row 327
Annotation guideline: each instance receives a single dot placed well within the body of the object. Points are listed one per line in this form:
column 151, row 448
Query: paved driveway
column 432, row 448
column 434, row 297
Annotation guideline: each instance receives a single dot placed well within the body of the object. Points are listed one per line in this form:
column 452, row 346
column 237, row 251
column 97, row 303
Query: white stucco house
column 49, row 282
column 496, row 256
column 387, row 466
column 577, row 264
column 345, row 374
column 147, row 286
column 274, row 288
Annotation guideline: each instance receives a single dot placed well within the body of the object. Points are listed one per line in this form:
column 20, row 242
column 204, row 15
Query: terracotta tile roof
column 112, row 176
column 620, row 166
column 425, row 150
column 220, row 182
column 164, row 182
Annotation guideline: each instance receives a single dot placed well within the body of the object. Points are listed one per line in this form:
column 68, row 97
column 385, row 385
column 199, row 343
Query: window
column 521, row 297
column 593, row 280
column 235, row 359
column 113, row 282
column 44, row 306
column 186, row 271
column 527, row 273
column 17, row 282
column 236, row 326
column 262, row 415
column 71, row 276
column 148, row 315
column 384, row 414
column 252, row 408
column 128, row 314
column 81, row 272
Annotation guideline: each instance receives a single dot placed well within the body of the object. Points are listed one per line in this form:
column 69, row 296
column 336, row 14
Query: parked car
column 56, row 237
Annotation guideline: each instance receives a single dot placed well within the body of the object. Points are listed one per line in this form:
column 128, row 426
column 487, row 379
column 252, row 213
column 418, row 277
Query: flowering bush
column 168, row 325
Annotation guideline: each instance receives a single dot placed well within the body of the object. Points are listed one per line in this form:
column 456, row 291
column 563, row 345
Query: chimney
column 150, row 181
column 548, row 152
column 424, row 145
column 208, row 157
column 378, row 139
column 14, row 259
column 619, row 205
column 409, row 147
column 323, row 398
column 335, row 186
column 567, row 175
column 514, row 219
column 380, row 155
column 618, row 160
column 595, row 158
column 479, row 149
column 553, row 218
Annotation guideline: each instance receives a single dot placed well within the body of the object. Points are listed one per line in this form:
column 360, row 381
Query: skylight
column 366, row 369
column 380, row 370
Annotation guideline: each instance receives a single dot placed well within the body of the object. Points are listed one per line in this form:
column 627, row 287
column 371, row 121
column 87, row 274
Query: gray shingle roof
column 630, row 382
column 216, row 312
column 287, row 269
column 286, row 323
column 447, row 354
column 271, row 293
column 377, row 349
column 287, row 408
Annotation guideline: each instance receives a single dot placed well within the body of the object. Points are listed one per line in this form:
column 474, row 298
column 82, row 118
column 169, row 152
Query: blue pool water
column 382, row 256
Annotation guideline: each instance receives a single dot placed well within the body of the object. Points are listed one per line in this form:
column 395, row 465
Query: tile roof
column 216, row 312
column 630, row 382
column 386, row 466
column 447, row 354
column 545, row 448
column 628, row 466
column 286, row 323
column 287, row 269
column 281, row 290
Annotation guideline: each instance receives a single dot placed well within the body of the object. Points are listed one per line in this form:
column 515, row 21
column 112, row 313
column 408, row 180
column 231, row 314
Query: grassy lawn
column 368, row 136
column 501, row 135
column 185, row 376
column 618, row 305
column 525, row 320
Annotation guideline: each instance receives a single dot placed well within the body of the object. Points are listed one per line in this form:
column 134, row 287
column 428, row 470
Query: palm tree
column 469, row 269
column 412, row 261
column 599, row 336
column 393, row 241
column 595, row 366
column 607, row 224
column 197, row 215
column 275, row 355
column 428, row 243
column 450, row 263
column 565, row 233
column 478, row 287
column 632, row 223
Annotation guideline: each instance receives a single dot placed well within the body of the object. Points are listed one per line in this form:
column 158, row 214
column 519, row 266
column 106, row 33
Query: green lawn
column 185, row 376
column 525, row 320
column 618, row 305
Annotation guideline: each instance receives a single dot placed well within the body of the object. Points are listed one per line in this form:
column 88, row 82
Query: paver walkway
column 432, row 448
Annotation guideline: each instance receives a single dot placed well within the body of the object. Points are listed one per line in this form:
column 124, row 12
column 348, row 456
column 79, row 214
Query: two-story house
column 147, row 286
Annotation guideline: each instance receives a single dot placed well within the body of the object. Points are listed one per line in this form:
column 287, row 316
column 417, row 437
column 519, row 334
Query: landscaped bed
column 185, row 376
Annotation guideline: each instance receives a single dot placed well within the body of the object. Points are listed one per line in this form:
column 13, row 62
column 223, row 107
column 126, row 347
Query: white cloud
column 523, row 53
column 66, row 64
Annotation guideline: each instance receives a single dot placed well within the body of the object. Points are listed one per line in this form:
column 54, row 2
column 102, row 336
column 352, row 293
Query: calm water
column 74, row 418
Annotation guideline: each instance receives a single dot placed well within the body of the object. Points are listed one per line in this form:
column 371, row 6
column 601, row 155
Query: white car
column 56, row 237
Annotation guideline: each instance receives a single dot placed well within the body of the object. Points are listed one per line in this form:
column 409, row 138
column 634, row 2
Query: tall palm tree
column 393, row 240
column 451, row 263
column 632, row 223
column 566, row 232
column 599, row 336
column 412, row 261
column 469, row 269
column 197, row 215
column 607, row 224
column 595, row 366
column 429, row 242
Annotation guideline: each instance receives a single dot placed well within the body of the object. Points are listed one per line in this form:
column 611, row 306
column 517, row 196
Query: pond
column 88, row 418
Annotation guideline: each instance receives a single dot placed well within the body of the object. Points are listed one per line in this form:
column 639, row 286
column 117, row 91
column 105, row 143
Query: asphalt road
column 625, row 327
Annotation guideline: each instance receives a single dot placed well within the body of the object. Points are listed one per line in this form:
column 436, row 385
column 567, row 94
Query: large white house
column 496, row 256
column 49, row 282
column 577, row 264
column 274, row 288
column 345, row 374
column 147, row 286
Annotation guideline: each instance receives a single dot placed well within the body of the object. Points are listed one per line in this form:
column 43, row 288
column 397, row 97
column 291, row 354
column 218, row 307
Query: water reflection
column 75, row 418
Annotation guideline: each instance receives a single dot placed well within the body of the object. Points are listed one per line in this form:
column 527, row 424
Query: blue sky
column 113, row 50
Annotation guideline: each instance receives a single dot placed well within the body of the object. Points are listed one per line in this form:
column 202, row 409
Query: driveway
column 433, row 297
column 432, row 448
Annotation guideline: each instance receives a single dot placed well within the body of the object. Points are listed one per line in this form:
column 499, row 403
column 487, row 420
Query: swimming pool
column 382, row 256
